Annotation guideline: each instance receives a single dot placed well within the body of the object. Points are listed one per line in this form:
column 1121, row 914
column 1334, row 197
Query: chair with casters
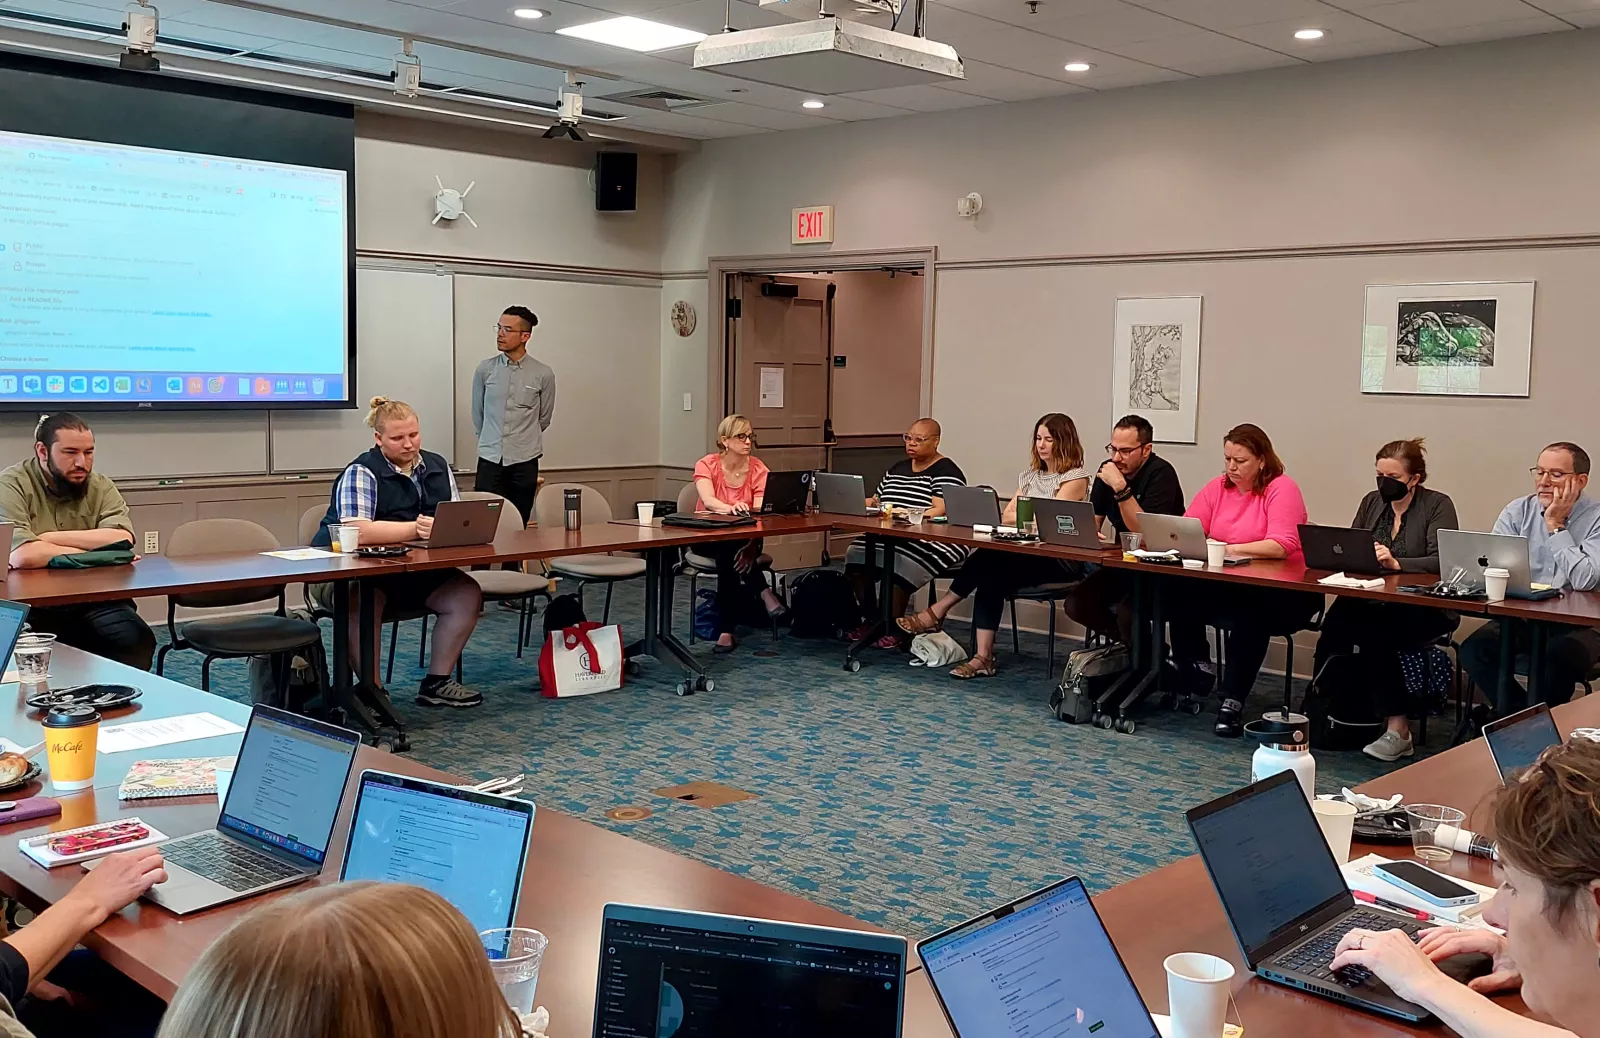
column 507, row 585
column 276, row 635
column 696, row 565
column 602, row 568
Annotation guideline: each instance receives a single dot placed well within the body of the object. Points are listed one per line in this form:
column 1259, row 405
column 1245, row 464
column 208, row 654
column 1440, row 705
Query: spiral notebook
column 176, row 777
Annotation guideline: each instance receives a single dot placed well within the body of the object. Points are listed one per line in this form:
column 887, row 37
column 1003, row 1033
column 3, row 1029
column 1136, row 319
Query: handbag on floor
column 936, row 649
column 580, row 660
column 1088, row 673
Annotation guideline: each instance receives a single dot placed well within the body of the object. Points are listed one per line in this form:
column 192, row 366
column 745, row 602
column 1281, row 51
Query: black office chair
column 1051, row 595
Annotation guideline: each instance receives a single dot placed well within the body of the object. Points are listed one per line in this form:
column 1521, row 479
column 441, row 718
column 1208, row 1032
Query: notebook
column 176, row 777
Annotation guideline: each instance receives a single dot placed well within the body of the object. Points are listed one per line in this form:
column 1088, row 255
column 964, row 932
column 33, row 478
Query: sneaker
column 1230, row 720
column 1390, row 746
column 446, row 692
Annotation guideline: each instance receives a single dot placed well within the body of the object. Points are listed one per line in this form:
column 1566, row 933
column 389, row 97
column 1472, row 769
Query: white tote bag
column 581, row 659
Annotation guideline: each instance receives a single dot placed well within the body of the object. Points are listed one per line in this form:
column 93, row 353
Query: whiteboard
column 405, row 350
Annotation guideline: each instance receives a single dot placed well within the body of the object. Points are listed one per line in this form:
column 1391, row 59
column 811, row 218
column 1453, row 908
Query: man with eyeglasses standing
column 1563, row 531
column 1133, row 479
column 513, row 401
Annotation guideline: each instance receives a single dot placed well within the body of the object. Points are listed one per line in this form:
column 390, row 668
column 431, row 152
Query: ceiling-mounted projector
column 829, row 56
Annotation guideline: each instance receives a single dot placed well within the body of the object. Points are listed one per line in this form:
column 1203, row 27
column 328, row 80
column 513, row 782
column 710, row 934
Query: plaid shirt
column 358, row 489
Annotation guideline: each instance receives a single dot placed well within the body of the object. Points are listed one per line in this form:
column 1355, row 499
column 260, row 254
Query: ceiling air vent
column 663, row 100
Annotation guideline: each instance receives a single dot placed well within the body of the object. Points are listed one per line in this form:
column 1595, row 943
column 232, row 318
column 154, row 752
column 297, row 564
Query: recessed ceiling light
column 530, row 13
column 1309, row 34
column 813, row 104
column 1078, row 66
column 633, row 34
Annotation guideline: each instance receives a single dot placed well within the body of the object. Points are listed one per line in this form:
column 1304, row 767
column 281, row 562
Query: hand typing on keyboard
column 1393, row 957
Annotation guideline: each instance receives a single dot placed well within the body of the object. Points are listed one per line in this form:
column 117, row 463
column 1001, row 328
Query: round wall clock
column 683, row 319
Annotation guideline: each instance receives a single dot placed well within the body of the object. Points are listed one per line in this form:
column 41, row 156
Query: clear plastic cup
column 32, row 657
column 1425, row 821
column 346, row 537
column 1131, row 541
column 515, row 954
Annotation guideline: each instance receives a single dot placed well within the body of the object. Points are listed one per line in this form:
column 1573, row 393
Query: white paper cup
column 1338, row 822
column 1197, row 993
column 347, row 537
column 1215, row 552
column 647, row 510
column 1494, row 583
column 224, row 780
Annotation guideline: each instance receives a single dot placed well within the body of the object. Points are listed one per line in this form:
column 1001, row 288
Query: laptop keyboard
column 231, row 864
column 1312, row 958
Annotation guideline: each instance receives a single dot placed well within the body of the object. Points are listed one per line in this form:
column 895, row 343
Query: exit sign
column 811, row 225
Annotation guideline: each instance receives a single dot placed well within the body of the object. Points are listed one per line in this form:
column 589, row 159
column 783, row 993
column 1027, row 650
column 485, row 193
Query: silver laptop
column 470, row 848
column 1072, row 523
column 1166, row 532
column 1463, row 557
column 666, row 972
column 274, row 827
column 971, row 506
column 842, row 492
column 458, row 523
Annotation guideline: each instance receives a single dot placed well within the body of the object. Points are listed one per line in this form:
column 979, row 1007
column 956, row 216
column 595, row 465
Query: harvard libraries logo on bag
column 580, row 660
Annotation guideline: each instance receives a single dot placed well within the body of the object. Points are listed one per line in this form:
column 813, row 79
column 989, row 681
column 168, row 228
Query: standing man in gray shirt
column 513, row 400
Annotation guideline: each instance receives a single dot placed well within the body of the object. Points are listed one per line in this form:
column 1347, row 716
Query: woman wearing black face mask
column 1405, row 518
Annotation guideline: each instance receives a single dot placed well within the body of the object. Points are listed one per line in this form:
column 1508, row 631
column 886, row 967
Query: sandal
column 915, row 624
column 976, row 667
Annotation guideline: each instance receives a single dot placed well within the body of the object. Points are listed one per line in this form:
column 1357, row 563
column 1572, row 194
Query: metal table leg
column 661, row 635
column 1136, row 648
column 885, row 621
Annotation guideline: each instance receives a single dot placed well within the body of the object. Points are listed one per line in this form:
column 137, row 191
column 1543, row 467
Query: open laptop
column 1515, row 741
column 274, row 827
column 458, row 523
column 1463, row 556
column 12, row 615
column 788, row 492
column 665, row 972
column 1042, row 965
column 470, row 848
column 971, row 506
column 1339, row 548
column 1166, row 532
column 1072, row 523
column 842, row 492
column 1285, row 897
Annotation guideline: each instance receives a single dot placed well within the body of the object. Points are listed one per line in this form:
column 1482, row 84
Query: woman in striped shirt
column 918, row 481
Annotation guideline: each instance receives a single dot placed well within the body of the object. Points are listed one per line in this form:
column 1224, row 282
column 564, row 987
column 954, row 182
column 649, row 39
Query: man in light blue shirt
column 513, row 402
column 1563, row 531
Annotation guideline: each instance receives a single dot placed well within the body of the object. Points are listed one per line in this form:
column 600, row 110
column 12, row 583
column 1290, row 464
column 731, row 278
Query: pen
column 1373, row 899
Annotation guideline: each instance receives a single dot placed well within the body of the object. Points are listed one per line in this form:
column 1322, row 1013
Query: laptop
column 842, row 492
column 665, row 972
column 1515, row 741
column 788, row 492
column 470, row 848
column 1042, row 965
column 274, row 827
column 12, row 615
column 1285, row 897
column 706, row 520
column 1166, row 532
column 1339, row 548
column 459, row 523
column 972, row 506
column 1072, row 523
column 1463, row 556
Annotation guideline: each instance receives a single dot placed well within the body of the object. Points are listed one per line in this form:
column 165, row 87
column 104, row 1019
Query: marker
column 168, row 482
column 301, row 476
column 1373, row 899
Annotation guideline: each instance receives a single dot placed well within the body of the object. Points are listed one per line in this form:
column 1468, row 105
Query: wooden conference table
column 575, row 868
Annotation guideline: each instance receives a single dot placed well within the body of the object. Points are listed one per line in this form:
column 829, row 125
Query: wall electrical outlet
column 152, row 542
column 688, row 402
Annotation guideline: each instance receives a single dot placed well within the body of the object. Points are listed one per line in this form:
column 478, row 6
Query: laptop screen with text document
column 287, row 785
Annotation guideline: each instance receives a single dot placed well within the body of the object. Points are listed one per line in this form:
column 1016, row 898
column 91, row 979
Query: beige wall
column 877, row 328
column 683, row 439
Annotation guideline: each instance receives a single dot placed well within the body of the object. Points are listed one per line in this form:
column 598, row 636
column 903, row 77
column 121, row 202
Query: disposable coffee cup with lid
column 71, row 737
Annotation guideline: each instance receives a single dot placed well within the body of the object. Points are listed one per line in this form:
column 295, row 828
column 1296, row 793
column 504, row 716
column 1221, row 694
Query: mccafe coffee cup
column 71, row 734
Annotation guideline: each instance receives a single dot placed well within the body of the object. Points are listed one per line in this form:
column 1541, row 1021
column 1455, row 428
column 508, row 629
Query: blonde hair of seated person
column 347, row 960
column 382, row 410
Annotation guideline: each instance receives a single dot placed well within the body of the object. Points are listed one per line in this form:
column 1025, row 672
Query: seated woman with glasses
column 1055, row 469
column 732, row 481
column 917, row 481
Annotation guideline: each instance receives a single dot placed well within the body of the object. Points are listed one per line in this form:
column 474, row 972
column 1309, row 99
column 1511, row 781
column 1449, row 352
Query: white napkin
column 1343, row 580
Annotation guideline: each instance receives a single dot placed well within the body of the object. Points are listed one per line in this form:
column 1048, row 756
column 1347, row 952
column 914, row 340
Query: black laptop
column 1516, row 740
column 787, row 492
column 1285, row 897
column 1340, row 548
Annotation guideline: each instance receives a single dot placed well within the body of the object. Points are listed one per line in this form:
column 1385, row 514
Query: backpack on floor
column 563, row 611
column 821, row 605
column 307, row 679
column 1088, row 673
column 707, row 617
column 1340, row 707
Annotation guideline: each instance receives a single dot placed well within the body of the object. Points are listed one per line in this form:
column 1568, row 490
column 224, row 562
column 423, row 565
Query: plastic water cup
column 1338, row 821
column 515, row 954
column 32, row 656
column 1216, row 551
column 1494, row 583
column 1131, row 541
column 346, row 537
column 1426, row 820
column 1197, row 993
column 647, row 510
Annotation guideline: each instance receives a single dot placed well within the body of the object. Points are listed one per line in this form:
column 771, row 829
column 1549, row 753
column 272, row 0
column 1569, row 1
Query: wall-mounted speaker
column 616, row 181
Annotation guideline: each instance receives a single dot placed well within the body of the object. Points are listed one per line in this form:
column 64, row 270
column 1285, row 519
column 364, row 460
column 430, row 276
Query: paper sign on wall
column 771, row 387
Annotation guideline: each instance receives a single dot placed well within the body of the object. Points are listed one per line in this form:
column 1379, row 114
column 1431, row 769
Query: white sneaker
column 1390, row 746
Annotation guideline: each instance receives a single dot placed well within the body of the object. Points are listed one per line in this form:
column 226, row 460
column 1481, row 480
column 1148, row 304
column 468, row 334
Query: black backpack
column 821, row 605
column 562, row 612
column 1340, row 707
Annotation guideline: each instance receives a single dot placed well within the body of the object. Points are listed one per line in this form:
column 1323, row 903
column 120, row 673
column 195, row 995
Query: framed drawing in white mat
column 1155, row 367
column 1471, row 338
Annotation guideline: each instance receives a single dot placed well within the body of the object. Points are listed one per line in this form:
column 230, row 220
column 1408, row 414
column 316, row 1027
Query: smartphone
column 99, row 838
column 1433, row 887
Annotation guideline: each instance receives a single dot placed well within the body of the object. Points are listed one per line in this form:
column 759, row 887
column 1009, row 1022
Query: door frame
column 718, row 269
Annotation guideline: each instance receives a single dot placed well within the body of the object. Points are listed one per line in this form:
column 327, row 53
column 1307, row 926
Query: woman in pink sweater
column 1257, row 510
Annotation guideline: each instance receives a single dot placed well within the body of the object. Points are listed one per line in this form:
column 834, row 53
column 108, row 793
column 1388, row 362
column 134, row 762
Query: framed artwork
column 1470, row 338
column 1155, row 367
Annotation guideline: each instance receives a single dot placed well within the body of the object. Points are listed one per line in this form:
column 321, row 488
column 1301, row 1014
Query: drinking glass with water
column 514, row 957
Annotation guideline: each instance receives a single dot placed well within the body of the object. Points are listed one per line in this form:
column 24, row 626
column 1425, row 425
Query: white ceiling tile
column 1238, row 63
column 923, row 98
column 1583, row 19
column 687, row 126
column 1566, row 7
column 1004, row 84
column 1230, row 14
column 1339, row 49
column 1200, row 53
column 1019, row 15
column 1494, row 30
column 1420, row 17
column 844, row 108
column 1341, row 29
column 1112, row 29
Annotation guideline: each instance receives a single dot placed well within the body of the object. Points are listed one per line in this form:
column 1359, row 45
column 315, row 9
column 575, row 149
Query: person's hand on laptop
column 1395, row 959
column 1444, row 941
column 117, row 882
column 424, row 527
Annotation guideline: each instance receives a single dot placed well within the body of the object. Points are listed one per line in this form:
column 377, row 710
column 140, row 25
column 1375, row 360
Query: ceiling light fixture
column 1309, row 34
column 813, row 104
column 1078, row 66
column 530, row 13
column 633, row 34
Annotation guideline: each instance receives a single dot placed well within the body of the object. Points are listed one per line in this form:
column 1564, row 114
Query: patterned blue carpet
column 899, row 796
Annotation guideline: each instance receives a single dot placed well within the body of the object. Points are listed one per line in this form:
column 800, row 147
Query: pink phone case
column 30, row 808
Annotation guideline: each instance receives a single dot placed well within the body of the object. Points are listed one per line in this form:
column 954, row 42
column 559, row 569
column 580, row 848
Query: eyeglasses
column 1123, row 452
column 744, row 437
column 503, row 330
column 916, row 441
column 1553, row 475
